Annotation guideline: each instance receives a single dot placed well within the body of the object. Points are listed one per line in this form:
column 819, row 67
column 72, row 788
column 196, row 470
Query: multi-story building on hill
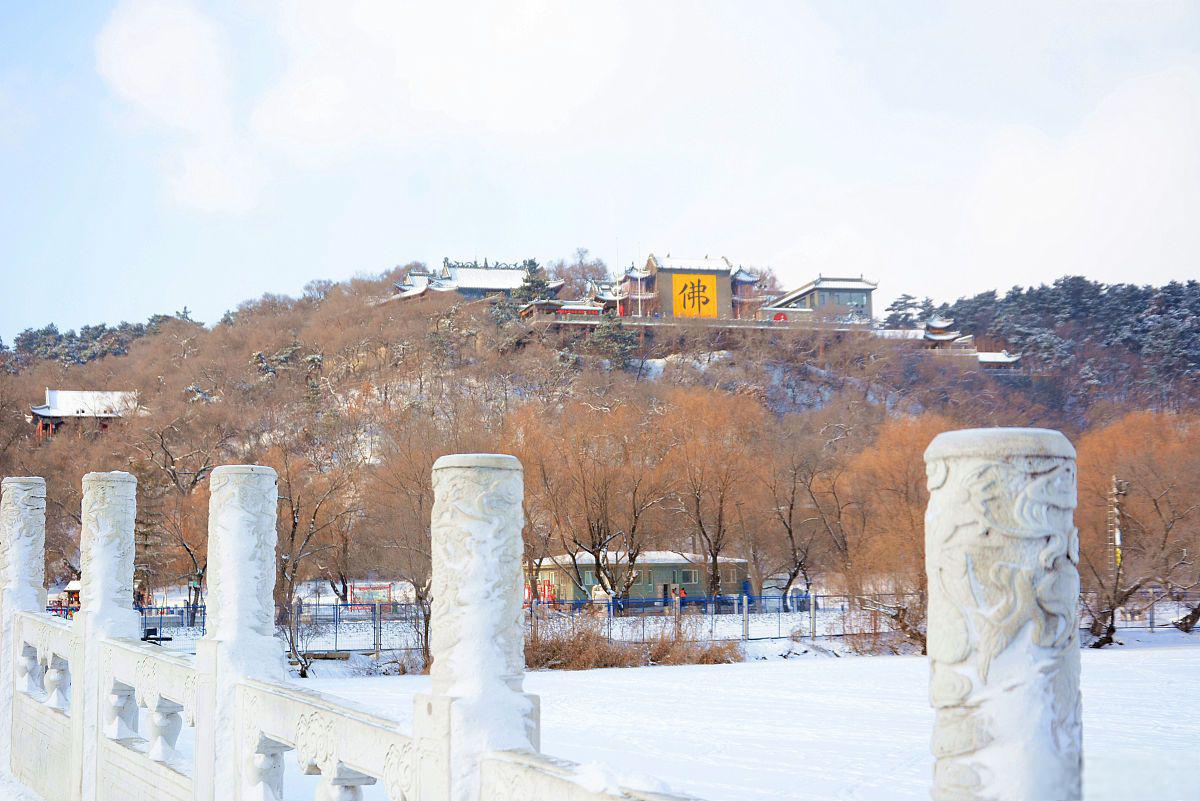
column 824, row 298
column 699, row 288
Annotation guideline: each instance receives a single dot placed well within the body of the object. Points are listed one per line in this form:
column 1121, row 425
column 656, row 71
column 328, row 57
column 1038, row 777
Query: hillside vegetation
column 798, row 450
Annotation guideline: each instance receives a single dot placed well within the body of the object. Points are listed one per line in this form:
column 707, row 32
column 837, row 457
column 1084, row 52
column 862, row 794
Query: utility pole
column 1116, row 494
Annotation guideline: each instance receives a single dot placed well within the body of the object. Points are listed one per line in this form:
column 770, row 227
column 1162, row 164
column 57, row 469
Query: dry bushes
column 669, row 649
column 583, row 645
column 579, row 646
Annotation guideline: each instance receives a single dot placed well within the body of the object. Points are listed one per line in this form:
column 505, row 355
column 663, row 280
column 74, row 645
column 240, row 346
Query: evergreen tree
column 535, row 286
column 903, row 312
column 613, row 341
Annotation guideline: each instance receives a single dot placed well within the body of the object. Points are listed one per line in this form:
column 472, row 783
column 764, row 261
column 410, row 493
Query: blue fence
column 394, row 626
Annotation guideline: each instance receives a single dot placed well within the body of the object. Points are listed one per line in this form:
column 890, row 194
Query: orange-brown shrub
column 583, row 646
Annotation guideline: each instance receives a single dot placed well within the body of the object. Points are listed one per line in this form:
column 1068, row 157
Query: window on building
column 589, row 577
column 686, row 577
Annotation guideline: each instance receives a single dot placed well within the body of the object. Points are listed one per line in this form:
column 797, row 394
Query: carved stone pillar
column 105, row 606
column 240, row 606
column 477, row 639
column 22, row 578
column 239, row 635
column 106, row 548
column 1001, row 553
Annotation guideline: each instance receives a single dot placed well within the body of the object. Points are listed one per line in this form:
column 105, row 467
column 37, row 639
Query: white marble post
column 1001, row 553
column 477, row 639
column 22, row 579
column 105, row 605
column 239, row 636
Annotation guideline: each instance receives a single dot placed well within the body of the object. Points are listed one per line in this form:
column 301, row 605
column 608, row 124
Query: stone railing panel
column 45, row 648
column 346, row 746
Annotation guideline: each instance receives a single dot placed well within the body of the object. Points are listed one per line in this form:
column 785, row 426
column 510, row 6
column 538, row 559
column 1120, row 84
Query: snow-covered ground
column 849, row 729
column 820, row 728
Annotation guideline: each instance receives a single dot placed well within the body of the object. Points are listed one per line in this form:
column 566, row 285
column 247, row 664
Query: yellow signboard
column 694, row 295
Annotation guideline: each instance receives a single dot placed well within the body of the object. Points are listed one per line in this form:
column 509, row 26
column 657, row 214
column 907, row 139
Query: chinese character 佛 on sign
column 695, row 295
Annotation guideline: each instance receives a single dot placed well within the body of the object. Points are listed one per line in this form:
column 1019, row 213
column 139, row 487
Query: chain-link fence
column 399, row 626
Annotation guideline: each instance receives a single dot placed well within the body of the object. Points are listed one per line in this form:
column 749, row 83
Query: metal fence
column 798, row 616
column 726, row 617
column 399, row 626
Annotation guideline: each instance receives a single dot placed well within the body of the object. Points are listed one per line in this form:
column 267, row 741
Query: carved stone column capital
column 1001, row 554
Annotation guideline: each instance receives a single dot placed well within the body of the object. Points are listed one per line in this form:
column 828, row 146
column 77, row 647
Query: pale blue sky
column 162, row 153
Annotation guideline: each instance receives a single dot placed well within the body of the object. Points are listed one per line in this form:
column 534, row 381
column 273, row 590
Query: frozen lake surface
column 848, row 729
column 820, row 728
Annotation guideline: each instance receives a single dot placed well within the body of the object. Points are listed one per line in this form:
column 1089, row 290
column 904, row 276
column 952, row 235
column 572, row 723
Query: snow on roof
column 450, row 279
column 720, row 265
column 86, row 403
column 1003, row 357
column 900, row 333
column 937, row 321
column 497, row 278
column 647, row 558
column 821, row 282
column 943, row 337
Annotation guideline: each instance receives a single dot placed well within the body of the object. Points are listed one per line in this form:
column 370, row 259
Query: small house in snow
column 79, row 406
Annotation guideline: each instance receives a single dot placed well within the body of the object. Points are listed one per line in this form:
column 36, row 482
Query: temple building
column 470, row 280
column 80, row 406
column 825, row 298
column 675, row 287
column 939, row 334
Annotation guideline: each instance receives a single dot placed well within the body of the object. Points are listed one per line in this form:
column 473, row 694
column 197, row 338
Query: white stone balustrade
column 22, row 580
column 1001, row 552
column 1001, row 555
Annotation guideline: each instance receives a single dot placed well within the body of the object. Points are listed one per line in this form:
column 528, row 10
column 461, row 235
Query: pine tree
column 535, row 286
column 902, row 313
column 613, row 341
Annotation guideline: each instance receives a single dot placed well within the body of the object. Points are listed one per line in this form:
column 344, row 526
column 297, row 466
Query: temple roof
column 706, row 264
column 1003, row 357
column 86, row 403
column 823, row 282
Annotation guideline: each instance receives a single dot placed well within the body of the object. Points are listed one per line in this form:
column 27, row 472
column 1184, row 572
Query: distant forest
column 1103, row 336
